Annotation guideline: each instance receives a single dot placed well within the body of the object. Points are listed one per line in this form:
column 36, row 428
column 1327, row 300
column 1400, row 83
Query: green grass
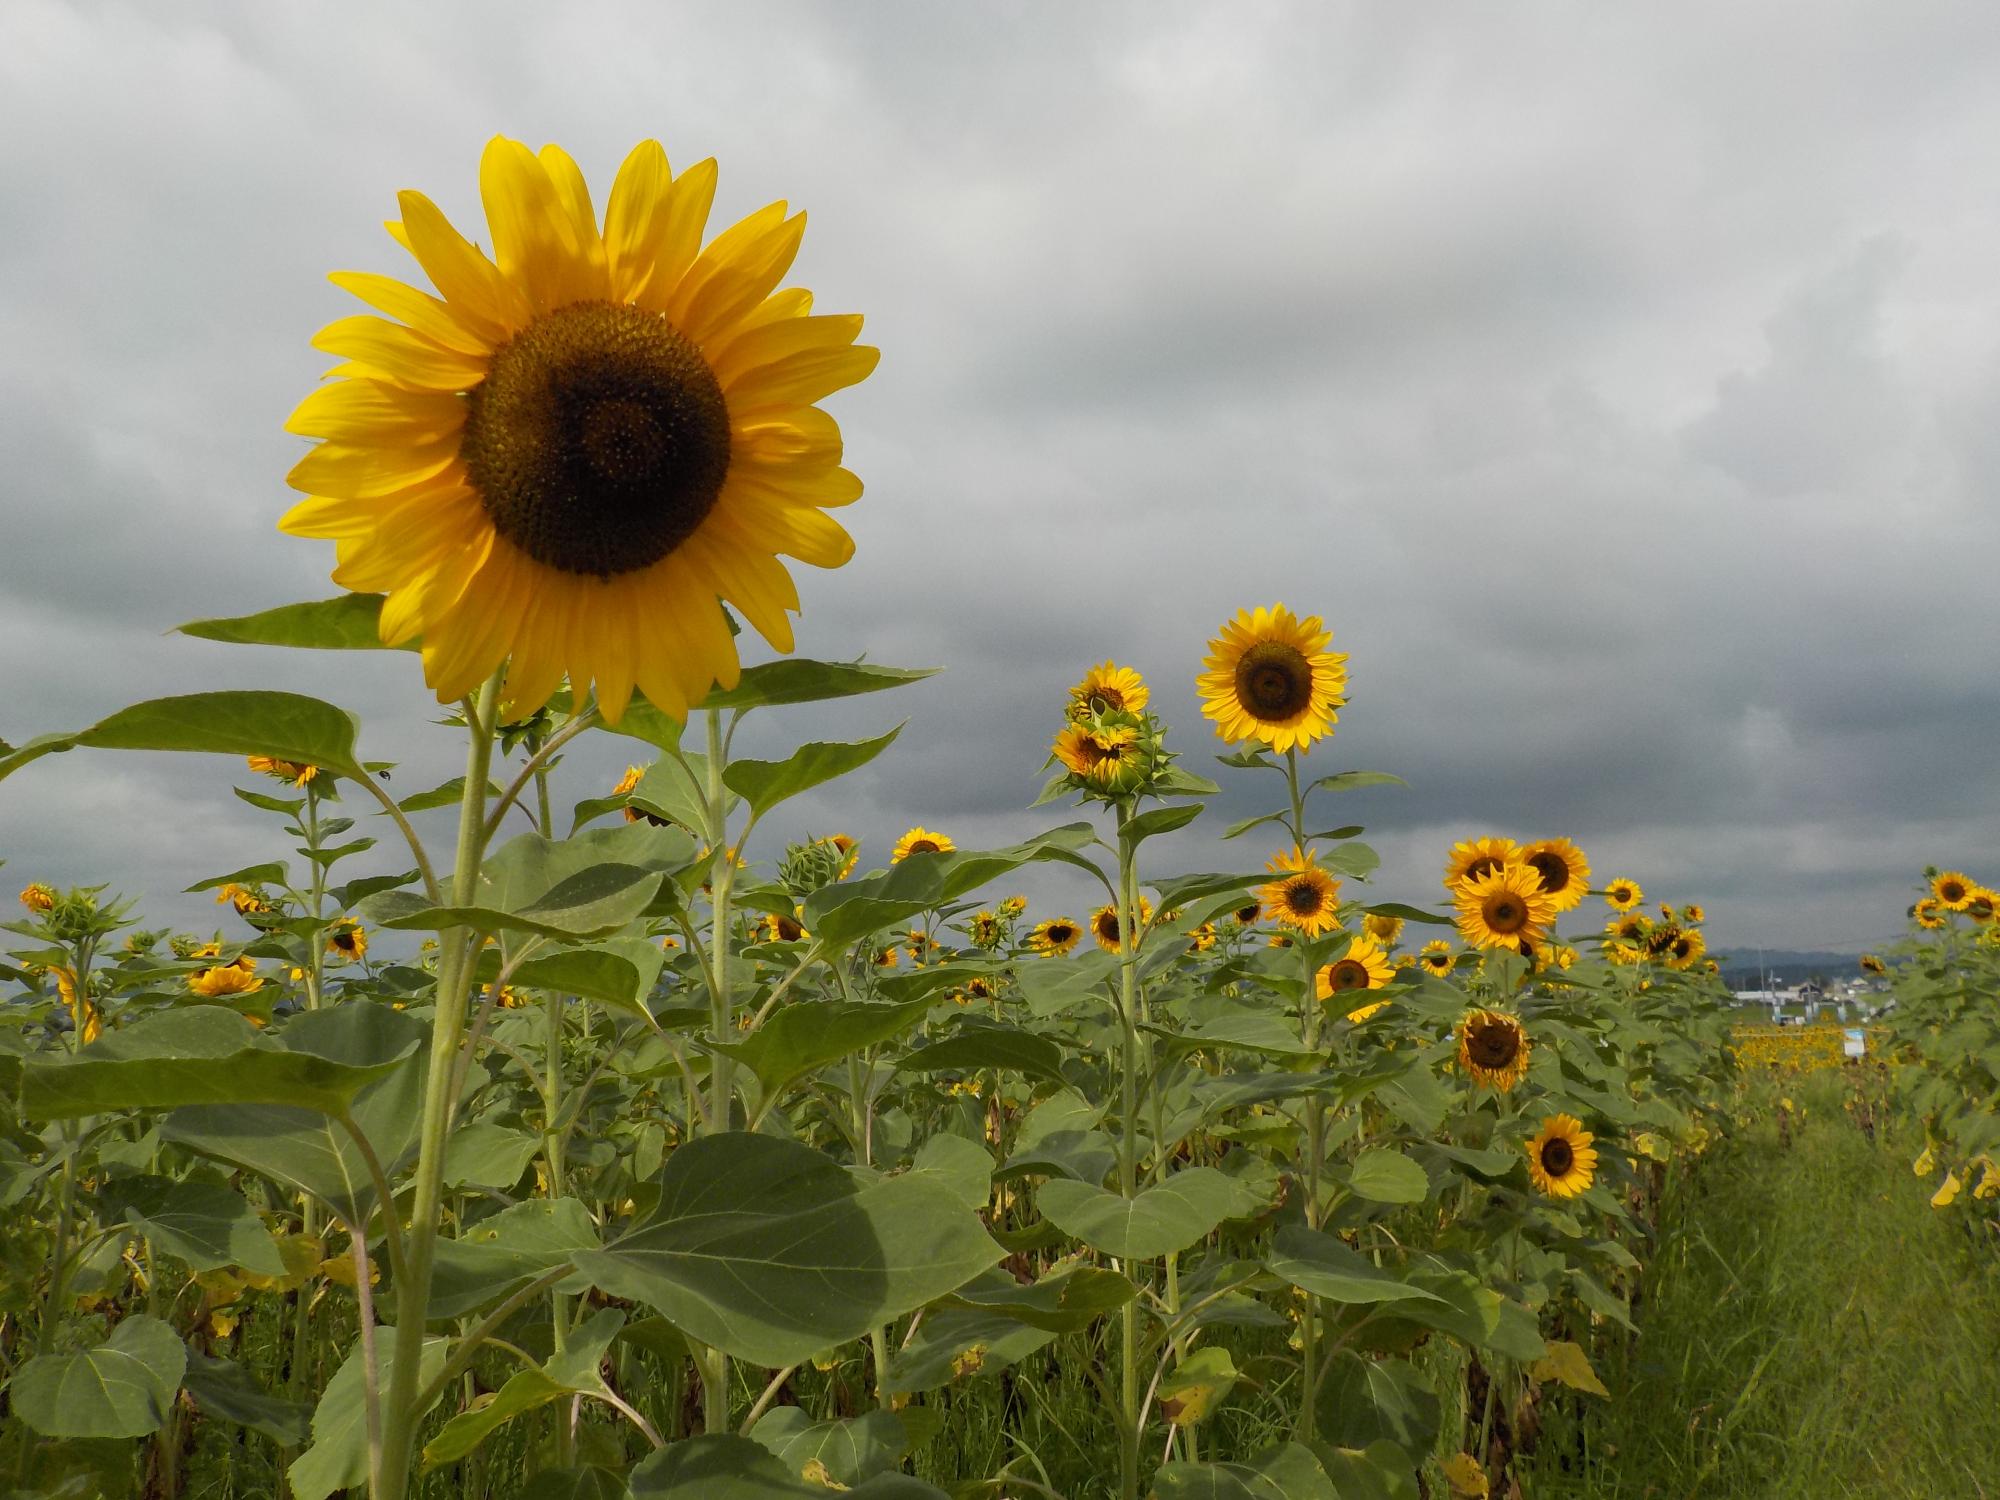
column 1811, row 1328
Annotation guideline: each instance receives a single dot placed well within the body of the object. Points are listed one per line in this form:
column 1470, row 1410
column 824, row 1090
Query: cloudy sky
column 1622, row 384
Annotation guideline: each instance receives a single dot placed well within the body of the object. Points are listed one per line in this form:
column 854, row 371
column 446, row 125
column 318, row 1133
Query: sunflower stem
column 1315, row 1143
column 401, row 1412
column 713, row 1363
column 1128, row 1136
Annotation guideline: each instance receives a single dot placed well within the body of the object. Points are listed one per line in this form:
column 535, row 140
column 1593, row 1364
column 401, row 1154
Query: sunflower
column 1471, row 858
column 1304, row 895
column 1564, row 870
column 1012, row 907
column 247, row 902
column 566, row 457
column 1246, row 916
column 1108, row 686
column 1561, row 1160
column 1632, row 927
column 775, row 928
column 1929, row 915
column 1364, row 966
column 921, row 945
column 920, row 841
column 1870, row 964
column 1981, row 904
column 235, row 978
column 1104, row 925
column 38, row 897
column 1952, row 890
column 1505, row 907
column 886, row 958
column 1271, row 678
column 984, row 930
column 1693, row 915
column 1386, row 930
column 1493, row 1049
column 1103, row 756
column 1687, row 949
column 1202, row 938
column 1558, row 956
column 1623, row 895
column 1437, row 957
column 1057, row 935
column 348, row 941
column 297, row 772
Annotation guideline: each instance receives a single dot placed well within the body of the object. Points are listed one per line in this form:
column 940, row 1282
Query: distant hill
column 1787, row 967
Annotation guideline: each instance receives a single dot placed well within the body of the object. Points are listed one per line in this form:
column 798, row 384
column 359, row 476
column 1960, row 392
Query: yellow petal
column 389, row 351
column 807, row 376
column 661, row 250
column 418, row 310
column 740, row 267
column 361, row 411
column 464, row 277
column 362, row 473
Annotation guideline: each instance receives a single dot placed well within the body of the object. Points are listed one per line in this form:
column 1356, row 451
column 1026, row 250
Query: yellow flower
column 235, row 978
column 1504, row 908
column 1947, row 1192
column 1057, row 935
column 1271, row 678
column 779, row 929
column 348, row 941
column 1929, row 915
column 1013, row 906
column 1362, row 967
column 1471, row 858
column 1202, row 938
column 1693, row 915
column 1623, row 895
column 1304, row 895
column 1925, row 1164
column 1981, row 904
column 38, row 897
column 1436, row 956
column 1104, row 757
column 1104, row 925
column 920, row 841
column 1564, row 870
column 1952, row 890
column 849, row 850
column 886, row 958
column 1108, row 686
column 1385, row 930
column 246, row 901
column 297, row 772
column 566, row 457
column 1686, row 950
column 1493, row 1049
column 1561, row 1160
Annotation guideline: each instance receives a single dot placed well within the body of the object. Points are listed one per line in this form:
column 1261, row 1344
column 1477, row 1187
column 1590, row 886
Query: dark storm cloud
column 1620, row 385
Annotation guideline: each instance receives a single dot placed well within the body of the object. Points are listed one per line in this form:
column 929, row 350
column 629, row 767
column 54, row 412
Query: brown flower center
column 1274, row 681
column 1557, row 1157
column 924, row 846
column 1950, row 890
column 1493, row 1044
column 1506, row 912
column 1553, row 869
column 1303, row 897
column 599, row 440
column 1347, row 974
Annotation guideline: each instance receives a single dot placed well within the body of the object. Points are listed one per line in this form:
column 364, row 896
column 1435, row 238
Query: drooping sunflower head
column 1930, row 915
column 1504, row 908
column 1303, row 895
column 297, row 772
column 1631, row 927
column 1108, row 686
column 39, row 898
column 1561, row 1159
column 235, row 978
column 1981, row 905
column 1471, row 858
column 246, row 901
column 1384, row 929
column 1564, row 870
column 1437, row 957
column 1058, row 935
column 1364, row 966
column 985, row 930
column 1870, row 964
column 564, row 459
column 920, row 841
column 1623, row 895
column 1270, row 678
column 1952, row 889
column 1492, row 1049
column 1104, row 925
column 347, row 941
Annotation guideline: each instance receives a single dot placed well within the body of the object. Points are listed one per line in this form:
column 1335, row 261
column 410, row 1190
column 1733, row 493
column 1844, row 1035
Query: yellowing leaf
column 1924, row 1165
column 1466, row 1478
column 1947, row 1191
column 1197, row 1386
column 1568, row 1364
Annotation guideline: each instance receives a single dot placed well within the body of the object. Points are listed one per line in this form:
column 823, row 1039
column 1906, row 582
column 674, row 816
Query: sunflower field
column 591, row 1157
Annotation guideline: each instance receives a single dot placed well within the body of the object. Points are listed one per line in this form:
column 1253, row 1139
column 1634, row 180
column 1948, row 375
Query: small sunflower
column 1363, row 966
column 1929, row 915
column 1104, row 756
column 1505, row 907
column 38, row 897
column 886, row 958
column 565, row 458
column 247, row 902
column 1493, row 1049
column 236, row 978
column 776, row 928
column 1693, row 914
column 1202, row 938
column 1246, row 916
column 1012, row 907
column 1561, row 1160
column 1386, row 930
column 921, row 945
column 1558, row 956
column 849, row 850
column 985, row 930
column 1981, row 904
column 1104, row 925
column 1057, row 935
column 627, row 785
column 1271, row 678
column 1108, row 686
column 1870, row 964
column 1564, row 870
column 1436, row 956
column 297, row 772
column 1304, row 895
column 1952, row 890
column 1623, row 895
column 920, row 841
column 347, row 941
column 1632, row 927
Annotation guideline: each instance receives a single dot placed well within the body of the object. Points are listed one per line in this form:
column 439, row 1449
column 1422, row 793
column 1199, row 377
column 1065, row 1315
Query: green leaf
column 1408, row 913
column 1184, row 889
column 1384, row 1176
column 1194, row 1389
column 500, row 1254
column 1355, row 860
column 228, row 1392
column 487, row 1155
column 770, row 1251
column 964, row 1167
column 1317, row 1262
column 850, row 1451
column 347, row 623
column 1162, row 820
column 989, row 1044
column 1238, row 829
column 338, row 1457
column 1287, row 1473
column 206, row 1054
column 962, row 1344
column 1363, row 1401
column 273, row 873
column 849, row 910
column 1347, row 781
column 583, row 1482
column 121, row 1388
column 573, row 1373
column 765, row 783
column 618, row 971
column 283, row 725
column 448, row 794
column 1164, row 1218
column 667, row 791
column 797, row 679
column 206, row 1224
column 809, row 1034
column 723, row 1466
column 1060, row 1303
column 966, row 870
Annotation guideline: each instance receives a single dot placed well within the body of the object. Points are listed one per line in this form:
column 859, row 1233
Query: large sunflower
column 920, row 841
column 1493, row 1049
column 1471, row 858
column 1623, row 895
column 1687, row 949
column 1056, row 936
column 1504, row 908
column 1364, row 966
column 1564, row 870
column 1108, row 686
column 235, row 978
column 1304, row 895
column 1952, row 890
column 566, row 457
column 1271, row 678
column 1561, row 1160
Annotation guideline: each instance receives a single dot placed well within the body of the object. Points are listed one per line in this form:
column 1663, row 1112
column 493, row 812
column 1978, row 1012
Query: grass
column 1811, row 1328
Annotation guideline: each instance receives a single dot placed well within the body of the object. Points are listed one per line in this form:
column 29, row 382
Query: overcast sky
column 1621, row 383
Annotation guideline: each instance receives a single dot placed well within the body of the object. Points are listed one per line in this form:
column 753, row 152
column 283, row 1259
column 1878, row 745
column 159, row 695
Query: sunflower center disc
column 1274, row 681
column 599, row 440
column 1557, row 1157
column 1506, row 915
column 1303, row 897
column 1347, row 975
column 1492, row 1047
column 1552, row 869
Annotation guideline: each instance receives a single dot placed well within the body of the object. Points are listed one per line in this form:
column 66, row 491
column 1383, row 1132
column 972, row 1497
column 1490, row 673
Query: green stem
column 713, row 1363
column 1128, row 1138
column 1315, row 1142
column 401, row 1414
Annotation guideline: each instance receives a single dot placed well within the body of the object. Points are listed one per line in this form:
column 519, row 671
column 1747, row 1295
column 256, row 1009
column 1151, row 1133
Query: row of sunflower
column 609, row 1159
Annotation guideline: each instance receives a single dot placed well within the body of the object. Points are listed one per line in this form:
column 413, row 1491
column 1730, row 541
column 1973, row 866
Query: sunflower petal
column 389, row 351
column 464, row 277
column 419, row 310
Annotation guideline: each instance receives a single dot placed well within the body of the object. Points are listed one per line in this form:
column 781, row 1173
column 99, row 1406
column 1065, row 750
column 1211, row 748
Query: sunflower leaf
column 350, row 622
column 1347, row 781
column 796, row 679
column 121, row 1388
column 284, row 726
column 766, row 783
